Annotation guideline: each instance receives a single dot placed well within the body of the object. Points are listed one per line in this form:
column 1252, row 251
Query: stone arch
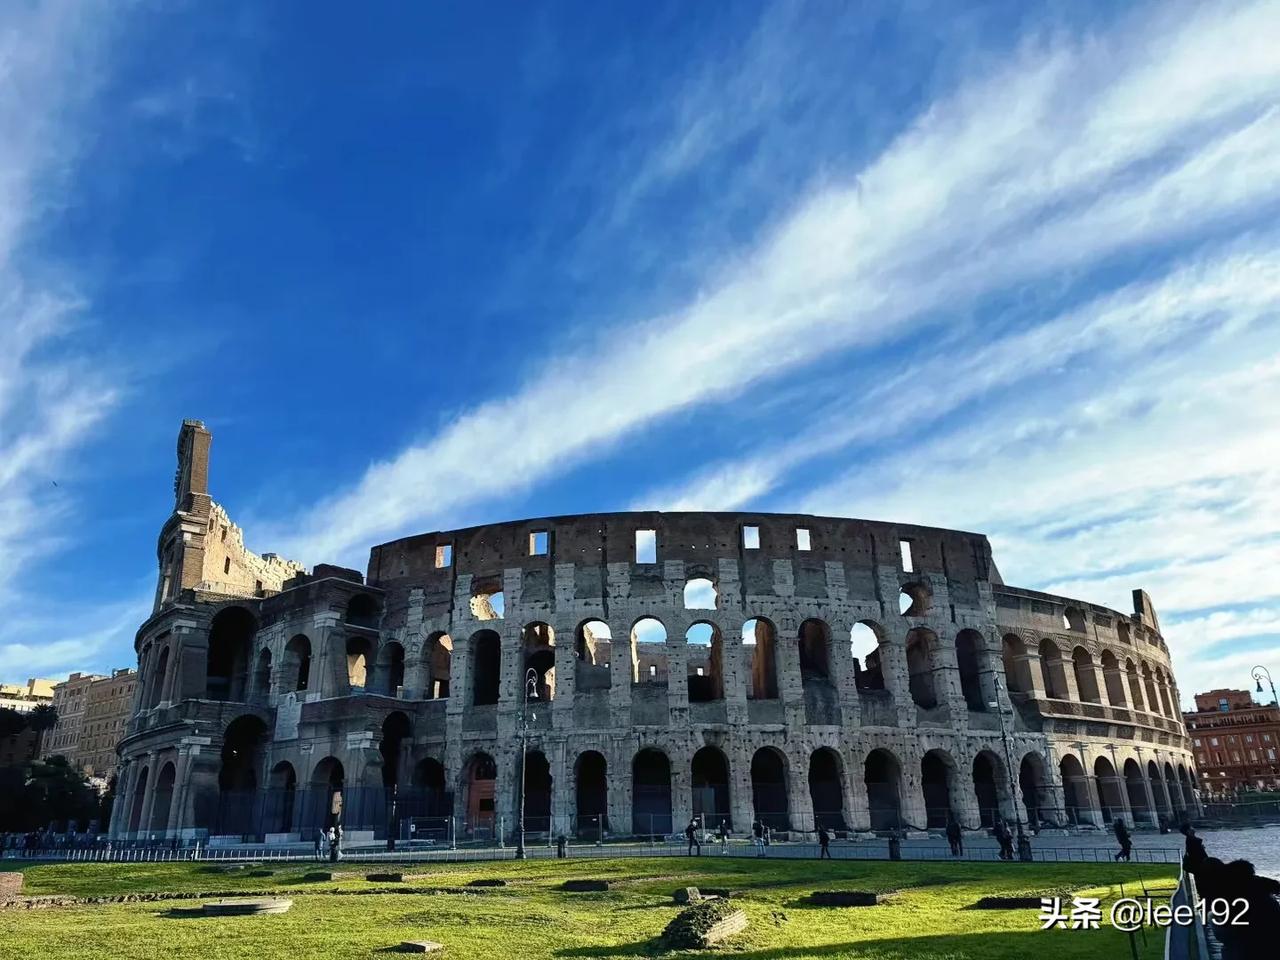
column 1114, row 679
column 1073, row 619
column 991, row 786
column 479, row 793
column 971, row 662
column 827, row 787
column 362, row 611
column 1165, row 689
column 244, row 747
column 1033, row 781
column 591, row 794
column 770, row 789
column 814, row 642
column 1075, row 789
column 700, row 594
column 1149, row 688
column 391, row 668
column 538, row 641
column 1175, row 790
column 922, row 662
column 651, row 793
column 709, row 780
column 915, row 599
column 593, row 650
column 883, row 777
column 705, row 667
column 438, row 653
column 1135, row 684
column 939, row 781
column 1017, row 669
column 1054, row 670
column 282, row 791
column 158, row 676
column 865, row 638
column 328, row 781
column 649, row 651
column 536, row 783
column 486, row 667
column 761, row 637
column 1136, row 790
column 1159, row 789
column 1184, row 782
column 1110, row 790
column 394, row 746
column 296, row 664
column 430, row 798
column 139, row 795
column 163, row 799
column 360, row 658
column 231, row 637
column 1082, row 667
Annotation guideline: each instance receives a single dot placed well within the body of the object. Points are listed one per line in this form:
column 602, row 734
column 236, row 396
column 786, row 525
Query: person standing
column 691, row 834
column 1004, row 838
column 824, row 842
column 724, row 833
column 954, row 836
column 757, row 837
column 320, row 838
column 1123, row 838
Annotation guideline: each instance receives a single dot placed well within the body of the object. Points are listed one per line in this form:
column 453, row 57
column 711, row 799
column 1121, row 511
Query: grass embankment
column 532, row 918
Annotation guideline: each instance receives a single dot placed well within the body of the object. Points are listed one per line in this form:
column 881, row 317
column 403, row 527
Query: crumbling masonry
column 726, row 666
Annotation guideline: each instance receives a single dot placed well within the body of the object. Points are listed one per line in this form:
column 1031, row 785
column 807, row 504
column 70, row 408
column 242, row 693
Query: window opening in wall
column 704, row 653
column 488, row 604
column 751, row 538
column 226, row 565
column 802, row 538
column 538, row 543
column 444, row 556
column 224, row 534
column 699, row 594
column 908, row 562
column 653, row 671
column 646, row 546
column 648, row 651
column 759, row 637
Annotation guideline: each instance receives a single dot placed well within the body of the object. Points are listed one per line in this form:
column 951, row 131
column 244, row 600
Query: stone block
column 703, row 924
column 585, row 886
column 10, row 885
column 844, row 898
column 487, row 882
column 385, row 877
column 247, row 906
column 687, row 895
column 420, row 946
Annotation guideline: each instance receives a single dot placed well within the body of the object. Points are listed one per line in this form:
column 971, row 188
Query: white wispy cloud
column 1051, row 162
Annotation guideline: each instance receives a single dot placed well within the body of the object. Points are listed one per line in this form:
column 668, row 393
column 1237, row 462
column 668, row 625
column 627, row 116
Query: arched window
column 486, row 667
column 760, row 638
column 700, row 594
column 230, row 641
column 922, row 661
column 864, row 647
column 649, row 652
column 539, row 641
column 971, row 662
column 705, row 652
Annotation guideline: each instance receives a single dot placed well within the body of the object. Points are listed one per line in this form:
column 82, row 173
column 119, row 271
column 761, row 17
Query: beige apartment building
column 69, row 699
column 25, row 697
column 107, row 705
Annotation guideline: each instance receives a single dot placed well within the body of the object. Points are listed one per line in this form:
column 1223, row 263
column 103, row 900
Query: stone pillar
column 741, row 800
column 911, row 798
column 964, row 798
column 566, row 680
column 149, row 797
column 620, row 790
column 561, row 757
column 799, row 801
column 621, row 672
column 416, row 668
column 126, row 774
column 857, row 809
column 1034, row 672
column 678, row 681
column 174, row 827
column 790, row 682
column 681, row 787
column 736, row 664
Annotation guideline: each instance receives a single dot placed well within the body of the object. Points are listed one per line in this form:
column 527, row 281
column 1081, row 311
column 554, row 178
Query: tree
column 43, row 717
column 55, row 791
column 11, row 722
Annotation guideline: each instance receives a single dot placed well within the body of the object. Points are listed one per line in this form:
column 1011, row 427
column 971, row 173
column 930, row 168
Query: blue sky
column 1003, row 267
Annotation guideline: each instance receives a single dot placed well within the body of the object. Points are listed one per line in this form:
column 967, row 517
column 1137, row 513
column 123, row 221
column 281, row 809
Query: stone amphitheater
column 628, row 672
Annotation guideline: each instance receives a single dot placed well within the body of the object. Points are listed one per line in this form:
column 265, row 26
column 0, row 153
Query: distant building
column 26, row 697
column 68, row 700
column 1236, row 742
column 19, row 748
column 108, row 703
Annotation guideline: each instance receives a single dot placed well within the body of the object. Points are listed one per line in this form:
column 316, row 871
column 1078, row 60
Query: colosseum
column 633, row 671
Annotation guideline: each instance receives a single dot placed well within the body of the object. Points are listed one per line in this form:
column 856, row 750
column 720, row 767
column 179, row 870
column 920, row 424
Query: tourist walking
column 691, row 834
column 954, row 836
column 757, row 837
column 320, row 841
column 1125, row 841
column 724, row 833
column 1004, row 838
column 824, row 842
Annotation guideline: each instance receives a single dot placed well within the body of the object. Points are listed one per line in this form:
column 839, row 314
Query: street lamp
column 530, row 693
column 1258, row 673
column 1024, row 842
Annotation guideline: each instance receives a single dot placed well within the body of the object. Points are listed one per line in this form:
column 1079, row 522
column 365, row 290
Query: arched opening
column 359, row 657
column 1054, row 670
column 158, row 677
column 651, row 793
column 327, row 782
column 1175, row 792
column 243, row 750
column 538, row 641
column 815, row 644
column 1033, row 781
column 1110, row 789
column 1135, row 684
column 922, row 653
column 282, row 790
column 487, row 602
column 1184, row 781
column 1159, row 789
column 1073, row 619
column 230, row 640
column 1017, row 672
column 593, row 648
column 937, row 781
column 826, row 788
column 397, row 739
column 431, row 797
column 262, row 675
column 480, row 780
column 705, row 652
column 700, row 594
column 883, row 777
column 1086, row 678
column 1075, row 790
column 710, row 781
column 537, row 792
column 1153, row 701
column 439, row 658
column 760, row 638
column 915, row 599
column 991, row 787
column 1113, row 679
column 297, row 664
column 486, row 667
column 362, row 611
column 1166, row 696
column 139, row 795
column 970, row 660
column 864, row 647
column 163, row 798
column 769, row 789
column 392, row 678
column 592, row 794
column 649, row 652
column 1137, row 793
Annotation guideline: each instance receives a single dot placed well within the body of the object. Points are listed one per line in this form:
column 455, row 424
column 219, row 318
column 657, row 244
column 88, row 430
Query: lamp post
column 1024, row 842
column 530, row 693
column 1258, row 673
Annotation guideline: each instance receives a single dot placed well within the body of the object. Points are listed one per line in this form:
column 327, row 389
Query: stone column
column 149, row 797
column 857, row 809
column 566, row 679
column 560, row 756
column 678, row 681
column 799, row 801
column 741, row 800
column 790, row 681
column 1034, row 672
column 174, row 827
column 621, row 671
column 620, row 790
column 736, row 666
column 681, row 787
column 126, row 774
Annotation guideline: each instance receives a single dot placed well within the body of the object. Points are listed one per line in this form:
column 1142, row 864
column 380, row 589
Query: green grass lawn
column 532, row 918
